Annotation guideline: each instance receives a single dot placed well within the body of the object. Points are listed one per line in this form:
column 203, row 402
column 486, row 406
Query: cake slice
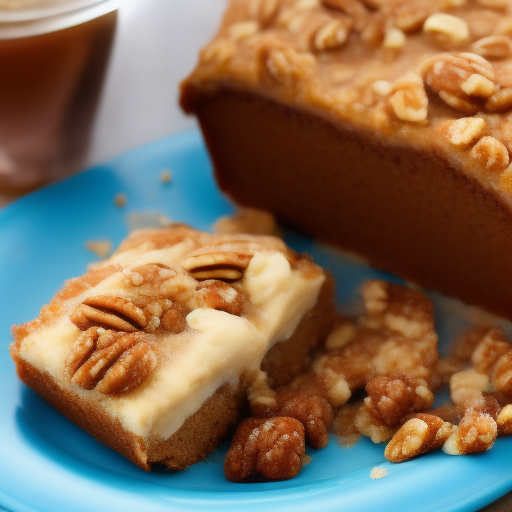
column 382, row 126
column 152, row 351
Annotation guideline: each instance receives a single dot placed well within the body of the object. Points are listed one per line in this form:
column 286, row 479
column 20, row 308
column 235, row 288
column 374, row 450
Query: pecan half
column 109, row 361
column 109, row 312
column 225, row 265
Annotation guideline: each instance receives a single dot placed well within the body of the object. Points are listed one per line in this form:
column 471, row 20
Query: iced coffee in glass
column 53, row 57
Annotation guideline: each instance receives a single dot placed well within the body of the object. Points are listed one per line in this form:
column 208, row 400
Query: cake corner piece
column 152, row 351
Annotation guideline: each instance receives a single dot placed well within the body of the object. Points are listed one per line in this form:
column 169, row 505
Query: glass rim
column 30, row 22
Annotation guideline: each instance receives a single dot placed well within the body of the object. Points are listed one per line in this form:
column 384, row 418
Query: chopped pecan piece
column 287, row 66
column 332, row 34
column 149, row 278
column 109, row 312
column 493, row 356
column 173, row 320
column 272, row 448
column 409, row 99
column 372, row 427
column 218, row 295
column 501, row 100
column 419, row 435
column 493, row 47
column 109, row 361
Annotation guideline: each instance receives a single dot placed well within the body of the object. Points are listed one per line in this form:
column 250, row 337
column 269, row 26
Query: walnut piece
column 272, row 448
column 419, row 435
column 393, row 396
column 313, row 412
column 493, row 47
column 476, row 433
column 447, row 30
column 467, row 386
column 504, row 421
column 332, row 34
column 462, row 80
column 409, row 99
column 491, row 154
column 109, row 361
column 465, row 130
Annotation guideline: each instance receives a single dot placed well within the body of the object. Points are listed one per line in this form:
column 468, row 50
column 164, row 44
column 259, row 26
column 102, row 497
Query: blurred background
column 80, row 84
column 156, row 46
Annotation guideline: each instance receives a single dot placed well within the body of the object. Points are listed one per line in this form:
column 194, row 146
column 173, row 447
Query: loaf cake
column 152, row 351
column 383, row 126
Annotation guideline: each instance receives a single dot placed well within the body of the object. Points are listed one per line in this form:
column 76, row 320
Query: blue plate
column 48, row 464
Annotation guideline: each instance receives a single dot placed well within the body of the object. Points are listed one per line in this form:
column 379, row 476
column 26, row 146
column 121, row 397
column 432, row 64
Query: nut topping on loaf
column 441, row 61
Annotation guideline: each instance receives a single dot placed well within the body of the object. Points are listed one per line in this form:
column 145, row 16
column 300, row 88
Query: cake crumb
column 306, row 459
column 120, row 200
column 166, row 176
column 141, row 220
column 249, row 221
column 102, row 248
column 378, row 472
